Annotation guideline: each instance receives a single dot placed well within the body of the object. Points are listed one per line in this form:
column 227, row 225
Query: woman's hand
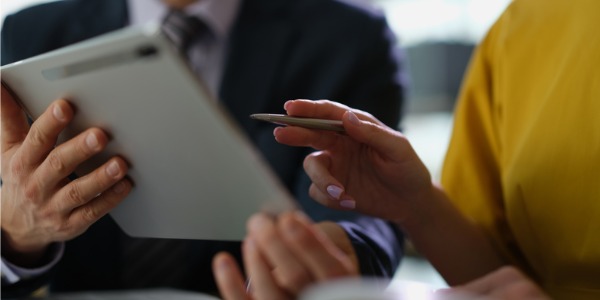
column 372, row 168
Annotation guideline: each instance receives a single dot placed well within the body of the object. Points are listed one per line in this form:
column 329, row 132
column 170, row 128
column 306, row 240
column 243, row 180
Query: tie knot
column 183, row 29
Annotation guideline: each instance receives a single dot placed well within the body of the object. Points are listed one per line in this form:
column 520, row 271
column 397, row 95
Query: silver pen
column 332, row 125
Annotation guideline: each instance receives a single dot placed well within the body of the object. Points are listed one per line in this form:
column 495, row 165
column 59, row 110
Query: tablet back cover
column 196, row 176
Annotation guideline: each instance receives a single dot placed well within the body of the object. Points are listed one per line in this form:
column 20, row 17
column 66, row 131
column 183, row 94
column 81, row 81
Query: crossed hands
column 283, row 256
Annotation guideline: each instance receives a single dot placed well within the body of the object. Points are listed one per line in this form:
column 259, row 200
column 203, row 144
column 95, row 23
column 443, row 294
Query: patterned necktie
column 183, row 30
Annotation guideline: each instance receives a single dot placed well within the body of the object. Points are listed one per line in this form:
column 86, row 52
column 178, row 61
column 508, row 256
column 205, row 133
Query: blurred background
column 438, row 37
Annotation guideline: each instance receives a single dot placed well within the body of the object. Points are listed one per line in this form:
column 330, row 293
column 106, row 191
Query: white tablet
column 195, row 174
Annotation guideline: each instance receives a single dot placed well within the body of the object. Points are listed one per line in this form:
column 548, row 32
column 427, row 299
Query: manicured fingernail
column 334, row 191
column 286, row 104
column 58, row 113
column 348, row 204
column 353, row 118
column 119, row 187
column 92, row 141
column 113, row 169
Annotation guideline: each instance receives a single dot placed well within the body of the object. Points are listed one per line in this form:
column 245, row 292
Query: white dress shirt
column 207, row 58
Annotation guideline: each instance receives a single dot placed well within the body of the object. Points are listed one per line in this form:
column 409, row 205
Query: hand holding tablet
column 195, row 174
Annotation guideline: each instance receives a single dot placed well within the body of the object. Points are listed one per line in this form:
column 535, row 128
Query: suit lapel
column 257, row 47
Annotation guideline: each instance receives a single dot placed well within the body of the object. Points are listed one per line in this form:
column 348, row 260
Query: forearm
column 456, row 248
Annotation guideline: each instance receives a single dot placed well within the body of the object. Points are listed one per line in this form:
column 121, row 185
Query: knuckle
column 267, row 235
column 50, row 216
column 66, row 229
column 55, row 221
column 309, row 164
column 308, row 160
column 16, row 168
column 56, row 162
column 74, row 194
column 36, row 136
column 89, row 214
column 315, row 193
column 293, row 279
column 31, row 194
column 313, row 159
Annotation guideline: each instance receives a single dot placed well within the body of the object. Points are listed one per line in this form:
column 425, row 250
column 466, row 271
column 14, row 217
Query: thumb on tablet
column 14, row 121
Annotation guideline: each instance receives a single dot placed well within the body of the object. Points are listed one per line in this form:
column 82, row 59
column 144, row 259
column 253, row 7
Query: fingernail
column 353, row 118
column 302, row 217
column 58, row 113
column 334, row 191
column 257, row 223
column 276, row 130
column 92, row 141
column 292, row 229
column 348, row 204
column 119, row 187
column 223, row 265
column 286, row 104
column 113, row 169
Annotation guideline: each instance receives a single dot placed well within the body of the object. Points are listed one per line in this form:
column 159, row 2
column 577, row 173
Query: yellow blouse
column 524, row 159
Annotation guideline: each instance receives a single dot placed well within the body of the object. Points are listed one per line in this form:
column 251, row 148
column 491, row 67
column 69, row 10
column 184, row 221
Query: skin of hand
column 370, row 161
column 505, row 283
column 285, row 255
column 39, row 203
column 373, row 169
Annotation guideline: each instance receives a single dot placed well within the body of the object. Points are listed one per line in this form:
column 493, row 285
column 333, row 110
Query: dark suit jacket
column 279, row 50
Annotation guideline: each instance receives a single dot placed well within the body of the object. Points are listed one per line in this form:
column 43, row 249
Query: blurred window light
column 415, row 21
column 10, row 6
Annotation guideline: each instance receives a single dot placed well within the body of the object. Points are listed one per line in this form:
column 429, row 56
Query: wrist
column 340, row 239
column 422, row 210
column 28, row 256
